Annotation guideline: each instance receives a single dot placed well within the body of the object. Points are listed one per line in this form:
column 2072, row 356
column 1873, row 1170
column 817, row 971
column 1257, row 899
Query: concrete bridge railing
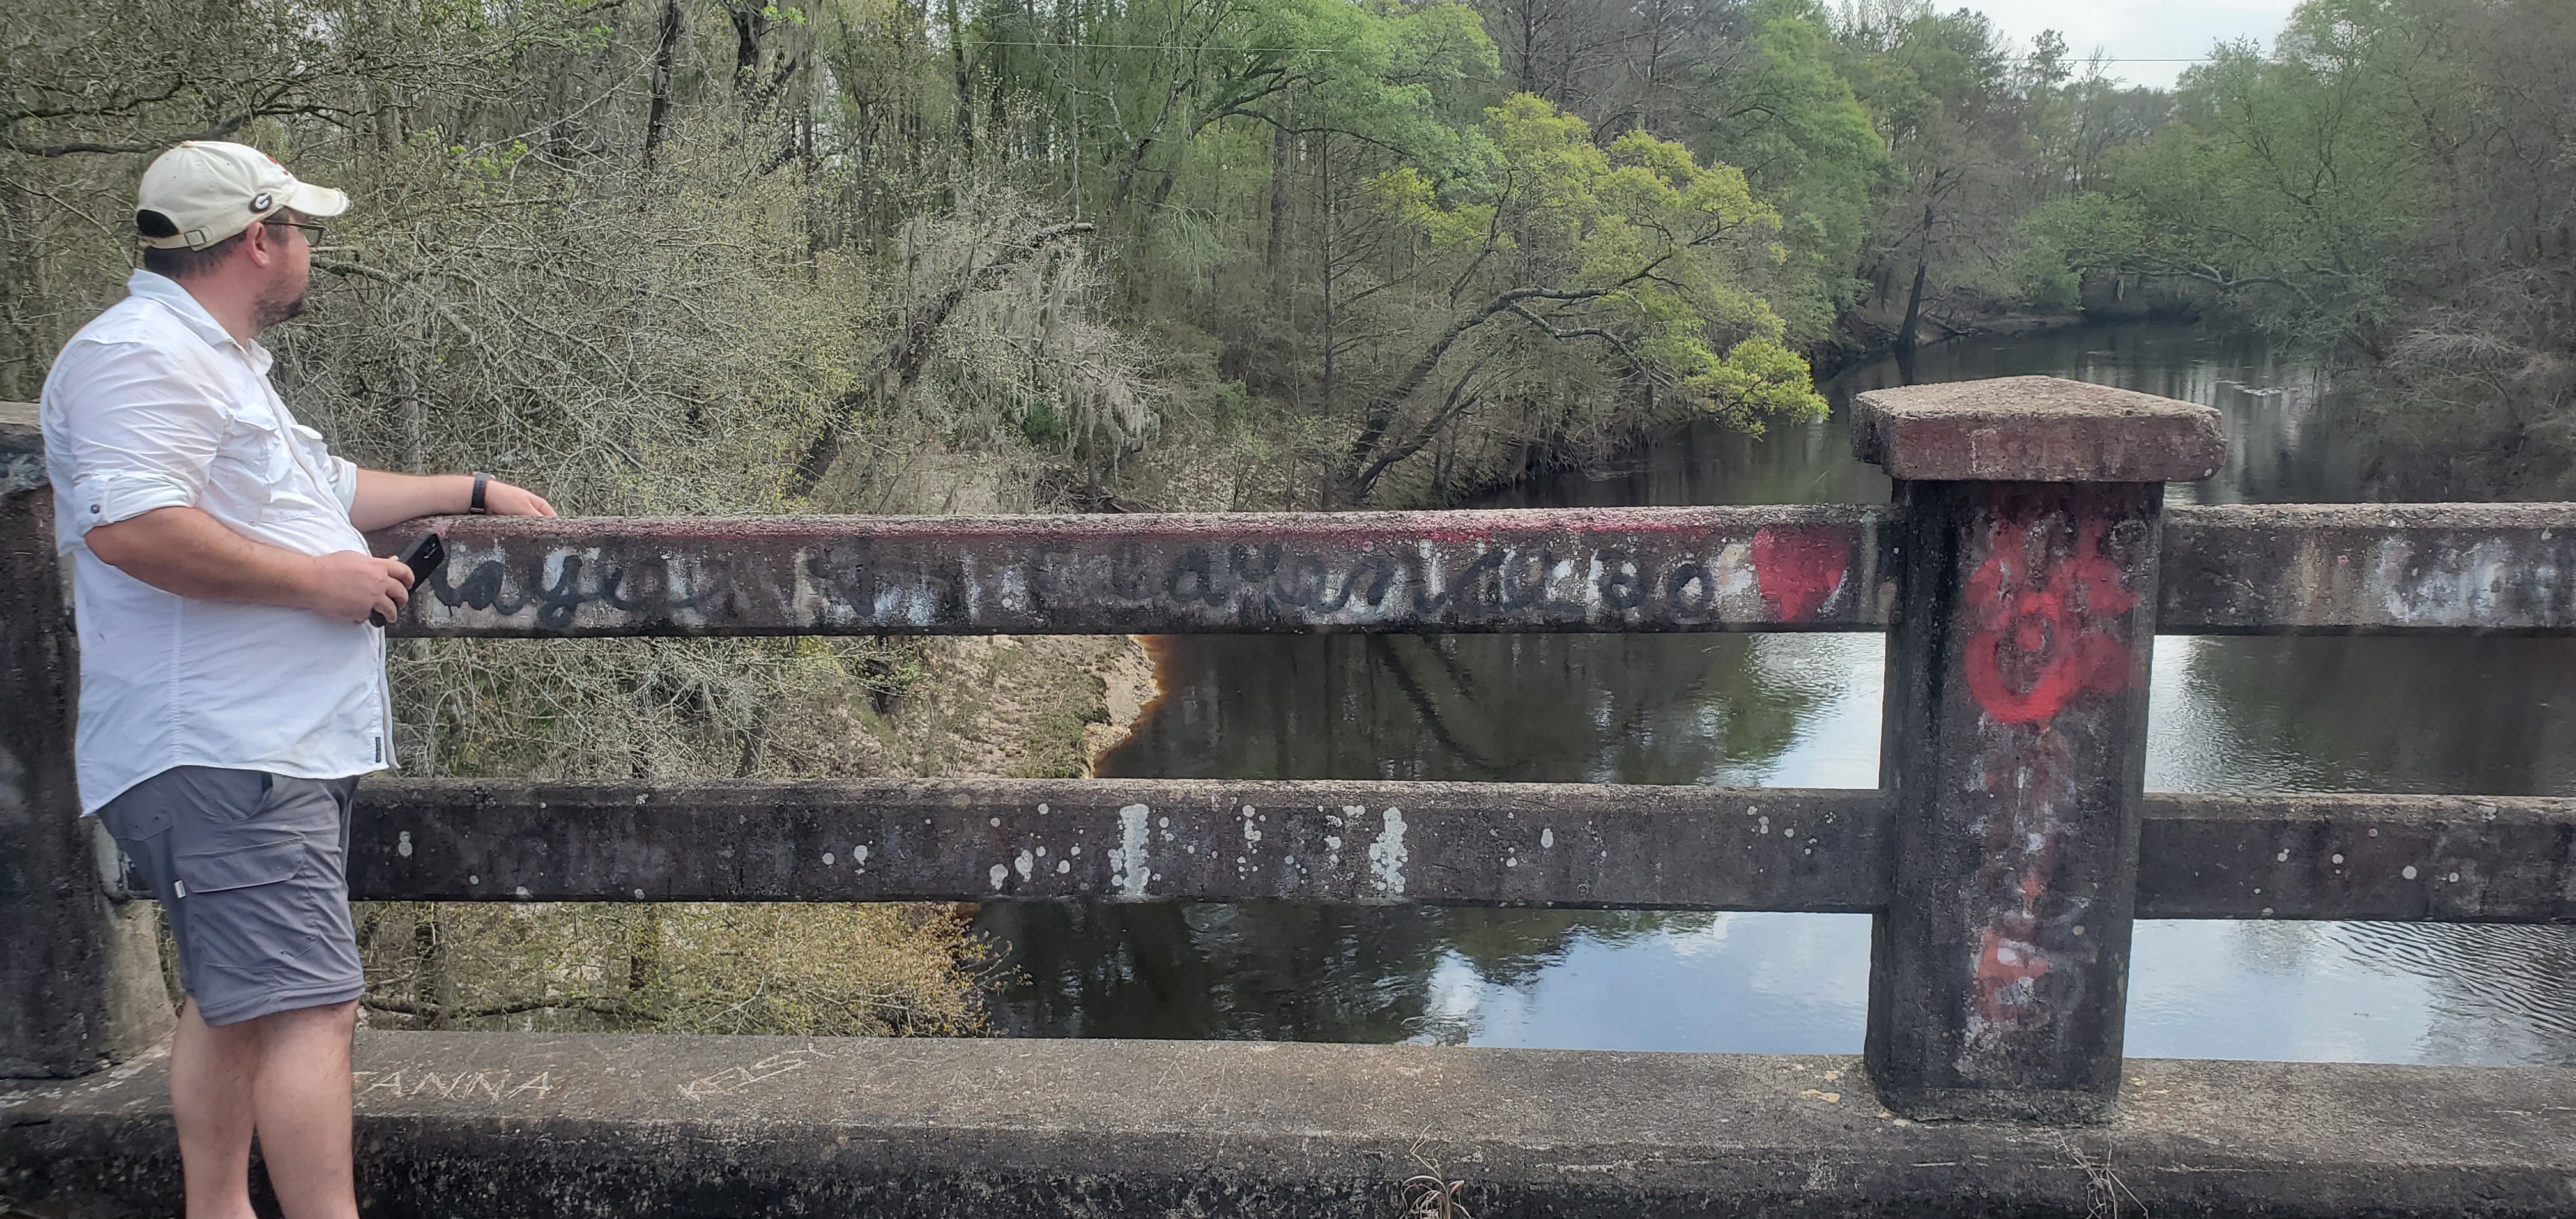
column 2021, row 572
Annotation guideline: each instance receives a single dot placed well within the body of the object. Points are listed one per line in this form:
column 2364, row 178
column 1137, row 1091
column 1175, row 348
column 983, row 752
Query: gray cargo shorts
column 253, row 869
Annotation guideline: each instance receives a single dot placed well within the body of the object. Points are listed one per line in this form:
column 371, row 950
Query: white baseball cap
column 209, row 190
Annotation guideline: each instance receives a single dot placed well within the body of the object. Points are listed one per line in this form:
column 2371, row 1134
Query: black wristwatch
column 475, row 505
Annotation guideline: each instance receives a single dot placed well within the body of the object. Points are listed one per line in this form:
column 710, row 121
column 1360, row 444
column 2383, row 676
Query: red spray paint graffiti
column 2007, row 968
column 2047, row 616
column 2043, row 636
column 1798, row 573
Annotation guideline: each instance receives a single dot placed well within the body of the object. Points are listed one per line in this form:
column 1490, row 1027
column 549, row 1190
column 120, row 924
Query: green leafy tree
column 2289, row 187
column 1630, row 259
column 1807, row 145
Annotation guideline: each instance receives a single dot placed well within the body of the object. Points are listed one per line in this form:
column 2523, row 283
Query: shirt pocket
column 292, row 481
column 316, row 450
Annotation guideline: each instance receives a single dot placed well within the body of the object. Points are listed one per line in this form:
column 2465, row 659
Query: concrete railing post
column 80, row 975
column 2029, row 514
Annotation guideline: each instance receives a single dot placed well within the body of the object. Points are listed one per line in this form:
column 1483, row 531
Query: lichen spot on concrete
column 1026, row 864
column 998, row 875
column 1387, row 855
column 520, row 892
column 1129, row 869
column 1063, row 866
column 2408, row 872
column 402, row 844
column 859, row 855
column 827, row 859
column 1547, row 839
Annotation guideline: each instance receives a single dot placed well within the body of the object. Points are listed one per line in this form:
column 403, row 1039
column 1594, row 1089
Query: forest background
column 714, row 256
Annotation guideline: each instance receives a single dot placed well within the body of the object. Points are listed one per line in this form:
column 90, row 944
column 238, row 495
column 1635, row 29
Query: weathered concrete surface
column 80, row 982
column 541, row 1126
column 1463, row 844
column 2045, row 429
column 2239, row 569
column 2505, row 569
column 881, row 840
column 1626, row 569
column 2448, row 858
column 2014, row 758
column 22, row 449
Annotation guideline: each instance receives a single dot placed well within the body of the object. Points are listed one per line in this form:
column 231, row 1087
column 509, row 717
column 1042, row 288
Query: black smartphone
column 423, row 556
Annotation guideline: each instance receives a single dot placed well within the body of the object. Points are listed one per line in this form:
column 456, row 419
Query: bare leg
column 210, row 1095
column 302, row 1099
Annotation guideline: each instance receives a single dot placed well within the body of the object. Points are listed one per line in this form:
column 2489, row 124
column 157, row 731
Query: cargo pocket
column 248, row 921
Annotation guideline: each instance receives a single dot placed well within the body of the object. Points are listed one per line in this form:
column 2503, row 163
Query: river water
column 2460, row 715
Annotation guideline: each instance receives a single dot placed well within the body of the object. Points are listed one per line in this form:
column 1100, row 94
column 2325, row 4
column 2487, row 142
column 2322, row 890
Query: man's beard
column 274, row 307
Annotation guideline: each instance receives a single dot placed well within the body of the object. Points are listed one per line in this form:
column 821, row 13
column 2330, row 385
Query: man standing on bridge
column 232, row 690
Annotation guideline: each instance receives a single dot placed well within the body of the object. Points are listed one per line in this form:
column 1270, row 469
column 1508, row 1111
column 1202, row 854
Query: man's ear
column 260, row 242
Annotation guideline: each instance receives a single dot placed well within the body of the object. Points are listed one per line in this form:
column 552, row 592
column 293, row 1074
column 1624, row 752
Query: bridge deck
column 543, row 1126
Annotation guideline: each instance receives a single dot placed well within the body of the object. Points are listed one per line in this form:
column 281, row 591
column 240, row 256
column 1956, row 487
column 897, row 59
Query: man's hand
column 502, row 499
column 348, row 585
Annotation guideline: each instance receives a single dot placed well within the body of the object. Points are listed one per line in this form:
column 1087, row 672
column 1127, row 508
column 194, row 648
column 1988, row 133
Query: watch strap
column 475, row 505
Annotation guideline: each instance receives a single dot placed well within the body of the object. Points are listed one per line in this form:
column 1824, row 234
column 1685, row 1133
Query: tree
column 1808, row 147
column 1629, row 259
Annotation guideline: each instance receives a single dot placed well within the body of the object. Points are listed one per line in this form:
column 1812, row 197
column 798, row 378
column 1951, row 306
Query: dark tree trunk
column 965, row 83
column 666, row 45
column 1905, row 334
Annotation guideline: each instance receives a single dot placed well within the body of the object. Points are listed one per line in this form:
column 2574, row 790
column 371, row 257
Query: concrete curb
column 518, row 1124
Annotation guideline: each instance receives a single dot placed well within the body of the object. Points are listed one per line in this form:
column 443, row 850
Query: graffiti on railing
column 1645, row 572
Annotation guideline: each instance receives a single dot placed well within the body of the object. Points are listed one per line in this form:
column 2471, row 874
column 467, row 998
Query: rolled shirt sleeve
column 338, row 473
column 145, row 430
column 344, row 483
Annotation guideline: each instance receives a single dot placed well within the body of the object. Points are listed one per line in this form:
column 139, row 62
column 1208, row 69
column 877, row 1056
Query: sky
column 2136, row 29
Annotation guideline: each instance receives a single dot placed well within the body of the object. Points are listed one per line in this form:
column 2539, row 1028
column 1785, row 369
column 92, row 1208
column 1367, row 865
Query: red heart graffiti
column 1797, row 572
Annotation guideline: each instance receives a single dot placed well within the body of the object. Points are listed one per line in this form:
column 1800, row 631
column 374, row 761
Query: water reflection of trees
column 1522, row 708
column 2472, row 716
column 1287, row 971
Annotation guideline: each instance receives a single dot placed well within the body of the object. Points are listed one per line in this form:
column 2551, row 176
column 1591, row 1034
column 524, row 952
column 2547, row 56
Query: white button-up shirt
column 154, row 404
